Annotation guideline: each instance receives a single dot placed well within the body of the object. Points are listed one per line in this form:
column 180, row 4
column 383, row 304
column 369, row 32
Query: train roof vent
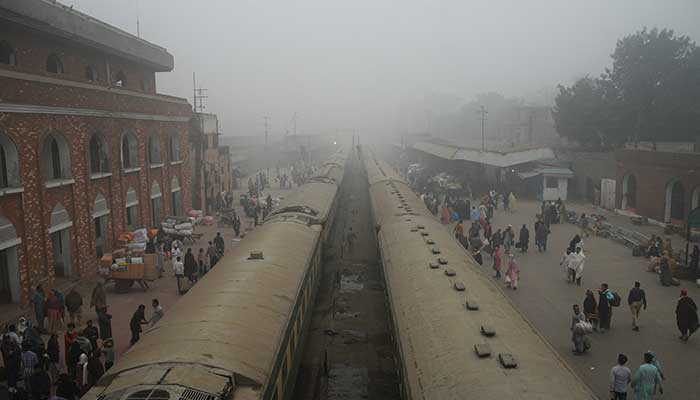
column 150, row 394
column 433, row 265
column 472, row 305
column 507, row 360
column 482, row 350
column 190, row 394
column 256, row 255
column 430, row 241
column 450, row 272
column 459, row 286
column 487, row 331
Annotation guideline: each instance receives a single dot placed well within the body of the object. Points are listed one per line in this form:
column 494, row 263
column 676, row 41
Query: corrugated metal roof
column 488, row 157
column 559, row 171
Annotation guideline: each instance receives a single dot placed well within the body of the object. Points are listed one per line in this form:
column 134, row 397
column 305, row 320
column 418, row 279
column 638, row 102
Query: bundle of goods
column 178, row 226
column 196, row 216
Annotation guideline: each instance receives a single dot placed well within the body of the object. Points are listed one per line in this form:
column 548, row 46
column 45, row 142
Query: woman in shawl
column 686, row 316
column 497, row 261
column 513, row 272
column 590, row 309
column 666, row 275
column 605, row 307
column 190, row 266
column 99, row 297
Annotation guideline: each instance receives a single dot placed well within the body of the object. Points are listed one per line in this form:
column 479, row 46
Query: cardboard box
column 133, row 271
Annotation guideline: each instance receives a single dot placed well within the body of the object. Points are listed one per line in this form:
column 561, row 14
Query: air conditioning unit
column 159, row 392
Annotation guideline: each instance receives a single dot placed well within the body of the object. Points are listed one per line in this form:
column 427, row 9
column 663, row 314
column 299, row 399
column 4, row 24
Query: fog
column 353, row 65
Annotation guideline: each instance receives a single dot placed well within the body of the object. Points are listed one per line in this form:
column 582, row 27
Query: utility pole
column 267, row 155
column 198, row 95
column 295, row 123
column 194, row 91
column 482, row 115
column 138, row 23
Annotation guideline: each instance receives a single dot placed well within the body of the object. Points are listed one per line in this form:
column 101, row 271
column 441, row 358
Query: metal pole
column 267, row 155
column 194, row 90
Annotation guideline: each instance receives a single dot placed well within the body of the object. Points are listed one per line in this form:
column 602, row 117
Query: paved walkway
column 546, row 299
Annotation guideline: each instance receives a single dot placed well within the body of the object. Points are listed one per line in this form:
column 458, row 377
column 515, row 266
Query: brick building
column 212, row 166
column 660, row 181
column 88, row 149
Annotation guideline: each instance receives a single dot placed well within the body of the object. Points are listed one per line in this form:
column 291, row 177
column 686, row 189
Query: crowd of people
column 37, row 366
column 598, row 305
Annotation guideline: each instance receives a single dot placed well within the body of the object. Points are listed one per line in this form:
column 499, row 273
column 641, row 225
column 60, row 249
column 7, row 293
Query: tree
column 582, row 113
column 652, row 92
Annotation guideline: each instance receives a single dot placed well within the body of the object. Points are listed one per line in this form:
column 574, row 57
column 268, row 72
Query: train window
column 284, row 368
column 293, row 339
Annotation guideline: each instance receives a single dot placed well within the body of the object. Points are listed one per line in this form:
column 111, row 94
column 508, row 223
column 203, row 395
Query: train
column 238, row 334
column 456, row 335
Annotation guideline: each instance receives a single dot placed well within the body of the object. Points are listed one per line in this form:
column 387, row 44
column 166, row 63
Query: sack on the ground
column 616, row 301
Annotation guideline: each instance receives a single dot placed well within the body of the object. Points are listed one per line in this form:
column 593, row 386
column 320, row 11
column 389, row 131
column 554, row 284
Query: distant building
column 88, row 149
column 213, row 168
column 660, row 181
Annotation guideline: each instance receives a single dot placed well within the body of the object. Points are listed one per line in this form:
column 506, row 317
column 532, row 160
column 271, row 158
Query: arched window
column 7, row 54
column 174, row 144
column 132, row 209
column 56, row 157
column 154, row 149
column 176, row 196
column 99, row 159
column 156, row 204
column 54, row 64
column 61, row 241
column 10, row 288
column 100, row 215
column 130, row 149
column 9, row 163
column 675, row 201
column 91, row 73
column 120, row 79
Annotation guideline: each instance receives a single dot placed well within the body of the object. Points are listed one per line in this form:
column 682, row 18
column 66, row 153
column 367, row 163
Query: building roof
column 496, row 158
column 546, row 170
column 59, row 20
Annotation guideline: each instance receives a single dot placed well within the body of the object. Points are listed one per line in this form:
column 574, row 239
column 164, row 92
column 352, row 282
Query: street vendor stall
column 126, row 267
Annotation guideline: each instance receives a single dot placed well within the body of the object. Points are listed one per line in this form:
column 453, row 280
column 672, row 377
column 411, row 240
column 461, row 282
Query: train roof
column 232, row 322
column 313, row 199
column 435, row 332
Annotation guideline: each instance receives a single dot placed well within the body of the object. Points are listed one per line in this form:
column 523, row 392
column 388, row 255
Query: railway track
column 349, row 354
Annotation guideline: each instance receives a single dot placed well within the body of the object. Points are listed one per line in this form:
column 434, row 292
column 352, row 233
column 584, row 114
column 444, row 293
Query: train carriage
column 456, row 334
column 238, row 333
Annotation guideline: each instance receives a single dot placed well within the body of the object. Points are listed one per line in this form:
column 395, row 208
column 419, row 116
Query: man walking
column 636, row 299
column 39, row 301
column 138, row 319
column 646, row 380
column 620, row 377
column 219, row 243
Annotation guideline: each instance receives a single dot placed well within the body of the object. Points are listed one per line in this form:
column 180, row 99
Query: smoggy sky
column 344, row 65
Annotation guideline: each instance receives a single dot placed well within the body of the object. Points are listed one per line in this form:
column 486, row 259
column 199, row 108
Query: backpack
column 616, row 300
